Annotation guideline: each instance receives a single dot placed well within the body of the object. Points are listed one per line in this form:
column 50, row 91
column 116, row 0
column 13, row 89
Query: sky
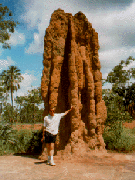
column 113, row 20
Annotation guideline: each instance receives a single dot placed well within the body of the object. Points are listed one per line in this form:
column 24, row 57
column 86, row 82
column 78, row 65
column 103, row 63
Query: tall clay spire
column 71, row 76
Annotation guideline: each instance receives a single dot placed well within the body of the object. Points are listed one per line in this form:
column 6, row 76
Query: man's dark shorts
column 50, row 138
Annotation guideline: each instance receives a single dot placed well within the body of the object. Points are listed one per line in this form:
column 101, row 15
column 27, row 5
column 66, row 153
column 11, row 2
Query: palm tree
column 11, row 79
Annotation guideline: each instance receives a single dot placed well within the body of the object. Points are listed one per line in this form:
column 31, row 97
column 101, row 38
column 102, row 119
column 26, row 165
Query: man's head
column 51, row 111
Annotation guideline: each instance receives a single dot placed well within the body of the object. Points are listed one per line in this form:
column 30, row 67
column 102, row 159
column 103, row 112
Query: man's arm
column 66, row 112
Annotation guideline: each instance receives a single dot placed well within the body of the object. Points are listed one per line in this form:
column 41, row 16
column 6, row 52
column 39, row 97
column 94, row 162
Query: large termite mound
column 71, row 76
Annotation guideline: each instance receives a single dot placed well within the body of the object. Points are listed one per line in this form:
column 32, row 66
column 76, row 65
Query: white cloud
column 115, row 28
column 107, row 86
column 26, row 84
column 131, row 65
column 38, row 16
column 17, row 39
column 104, row 76
column 37, row 45
column 111, row 58
column 4, row 63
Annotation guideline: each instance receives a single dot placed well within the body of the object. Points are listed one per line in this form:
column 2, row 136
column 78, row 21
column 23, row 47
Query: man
column 50, row 131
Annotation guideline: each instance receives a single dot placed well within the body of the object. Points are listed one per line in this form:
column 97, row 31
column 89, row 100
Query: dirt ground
column 39, row 126
column 96, row 166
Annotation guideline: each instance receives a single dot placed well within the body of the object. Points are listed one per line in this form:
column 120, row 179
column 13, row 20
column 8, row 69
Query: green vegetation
column 22, row 141
column 27, row 110
column 116, row 136
column 115, row 108
column 27, row 107
column 7, row 25
column 10, row 80
column 7, row 138
column 117, row 100
column 119, row 138
column 120, row 77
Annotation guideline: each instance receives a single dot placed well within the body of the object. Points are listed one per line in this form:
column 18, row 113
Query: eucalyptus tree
column 11, row 79
column 120, row 74
column 120, row 77
column 29, row 106
column 34, row 99
column 7, row 25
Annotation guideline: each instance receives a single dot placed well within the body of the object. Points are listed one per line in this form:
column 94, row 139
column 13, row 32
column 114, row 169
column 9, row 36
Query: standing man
column 50, row 131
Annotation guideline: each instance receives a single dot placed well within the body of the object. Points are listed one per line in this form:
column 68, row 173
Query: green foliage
column 27, row 109
column 7, row 25
column 22, row 141
column 115, row 108
column 35, row 145
column 116, row 136
column 119, row 138
column 23, row 137
column 29, row 106
column 7, row 138
column 7, row 112
column 118, row 76
column 10, row 80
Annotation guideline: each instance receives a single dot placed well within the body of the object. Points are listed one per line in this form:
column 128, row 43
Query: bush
column 34, row 145
column 119, row 138
column 22, row 141
column 23, row 137
column 115, row 108
column 7, row 138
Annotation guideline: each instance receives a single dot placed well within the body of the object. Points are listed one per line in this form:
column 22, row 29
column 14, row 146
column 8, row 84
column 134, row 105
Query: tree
column 29, row 110
column 120, row 77
column 7, row 25
column 11, row 79
column 20, row 100
column 115, row 108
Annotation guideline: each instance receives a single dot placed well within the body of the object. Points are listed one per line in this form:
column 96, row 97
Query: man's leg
column 43, row 147
column 48, row 152
column 52, row 153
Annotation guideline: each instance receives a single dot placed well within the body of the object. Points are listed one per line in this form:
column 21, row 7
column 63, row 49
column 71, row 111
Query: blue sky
column 113, row 20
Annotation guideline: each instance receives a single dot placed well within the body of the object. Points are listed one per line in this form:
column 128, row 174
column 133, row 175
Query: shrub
column 22, row 138
column 119, row 138
column 22, row 141
column 7, row 138
column 34, row 145
column 28, row 141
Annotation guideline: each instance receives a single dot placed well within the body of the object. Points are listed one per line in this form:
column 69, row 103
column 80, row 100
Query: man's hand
column 42, row 139
column 68, row 110
column 71, row 107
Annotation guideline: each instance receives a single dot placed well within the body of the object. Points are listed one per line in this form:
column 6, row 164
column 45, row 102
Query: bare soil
column 93, row 166
column 28, row 126
column 39, row 126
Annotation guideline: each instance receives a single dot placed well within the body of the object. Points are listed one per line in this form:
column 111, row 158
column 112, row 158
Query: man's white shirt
column 52, row 122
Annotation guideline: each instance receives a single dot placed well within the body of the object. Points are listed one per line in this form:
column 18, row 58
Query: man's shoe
column 52, row 163
column 48, row 162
